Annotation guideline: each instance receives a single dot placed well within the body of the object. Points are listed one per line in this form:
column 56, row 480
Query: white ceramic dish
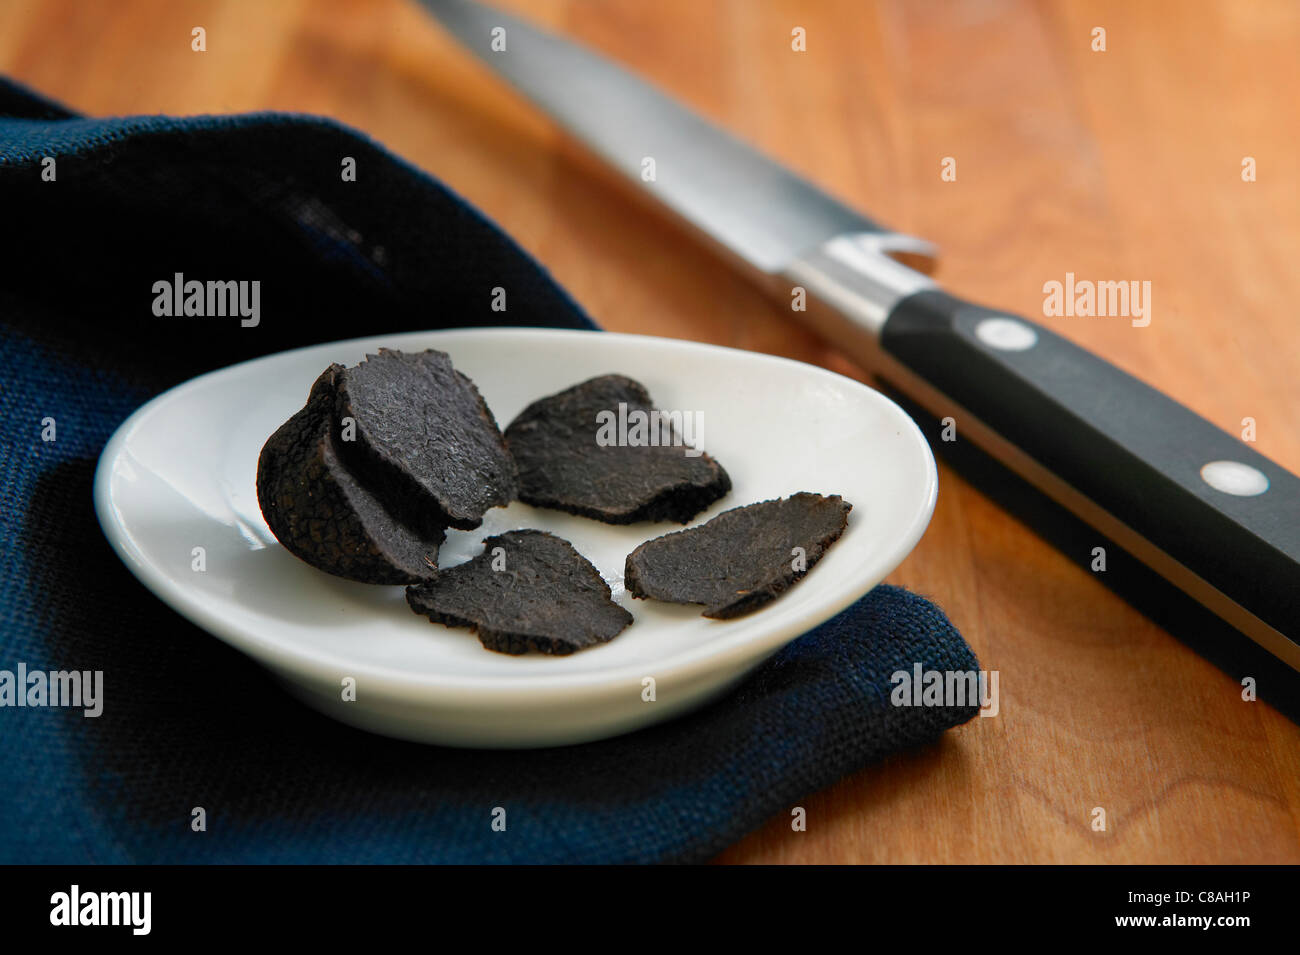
column 179, row 474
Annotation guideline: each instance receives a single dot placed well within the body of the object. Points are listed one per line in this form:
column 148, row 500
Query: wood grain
column 1122, row 164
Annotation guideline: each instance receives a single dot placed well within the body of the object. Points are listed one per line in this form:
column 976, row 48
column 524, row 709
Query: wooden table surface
column 1123, row 164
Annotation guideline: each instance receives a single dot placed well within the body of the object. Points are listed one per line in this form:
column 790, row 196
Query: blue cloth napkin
column 97, row 211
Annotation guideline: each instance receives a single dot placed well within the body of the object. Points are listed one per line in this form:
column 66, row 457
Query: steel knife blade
column 1204, row 510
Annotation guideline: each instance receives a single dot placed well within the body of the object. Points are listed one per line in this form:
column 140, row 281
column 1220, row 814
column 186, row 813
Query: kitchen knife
column 1199, row 507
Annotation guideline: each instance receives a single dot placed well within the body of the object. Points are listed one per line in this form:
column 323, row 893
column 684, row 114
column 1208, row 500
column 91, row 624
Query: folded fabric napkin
column 97, row 210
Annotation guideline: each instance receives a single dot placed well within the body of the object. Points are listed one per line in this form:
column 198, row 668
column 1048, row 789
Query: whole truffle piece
column 322, row 514
column 424, row 440
column 528, row 590
column 741, row 560
column 600, row 449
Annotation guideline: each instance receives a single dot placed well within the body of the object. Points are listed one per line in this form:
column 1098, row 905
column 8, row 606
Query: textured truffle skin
column 547, row 597
column 561, row 465
column 742, row 559
column 425, row 440
column 322, row 514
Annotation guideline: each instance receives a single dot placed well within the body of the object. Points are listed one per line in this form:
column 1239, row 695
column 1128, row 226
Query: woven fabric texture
column 187, row 721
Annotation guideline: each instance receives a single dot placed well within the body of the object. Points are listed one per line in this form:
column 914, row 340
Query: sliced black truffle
column 322, row 514
column 422, row 438
column 741, row 560
column 528, row 590
column 600, row 449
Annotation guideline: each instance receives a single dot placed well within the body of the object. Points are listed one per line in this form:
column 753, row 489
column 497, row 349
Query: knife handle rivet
column 1006, row 334
column 1233, row 477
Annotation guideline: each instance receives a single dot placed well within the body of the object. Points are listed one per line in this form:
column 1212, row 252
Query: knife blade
column 1208, row 513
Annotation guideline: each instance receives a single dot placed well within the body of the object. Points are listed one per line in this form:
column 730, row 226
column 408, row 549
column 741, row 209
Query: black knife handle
column 1134, row 453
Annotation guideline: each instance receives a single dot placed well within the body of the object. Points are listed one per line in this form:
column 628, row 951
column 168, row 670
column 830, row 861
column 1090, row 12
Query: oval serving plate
column 180, row 474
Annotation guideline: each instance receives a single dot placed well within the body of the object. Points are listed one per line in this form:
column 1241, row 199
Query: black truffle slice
column 424, row 442
column 741, row 560
column 535, row 593
column 322, row 514
column 566, row 462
